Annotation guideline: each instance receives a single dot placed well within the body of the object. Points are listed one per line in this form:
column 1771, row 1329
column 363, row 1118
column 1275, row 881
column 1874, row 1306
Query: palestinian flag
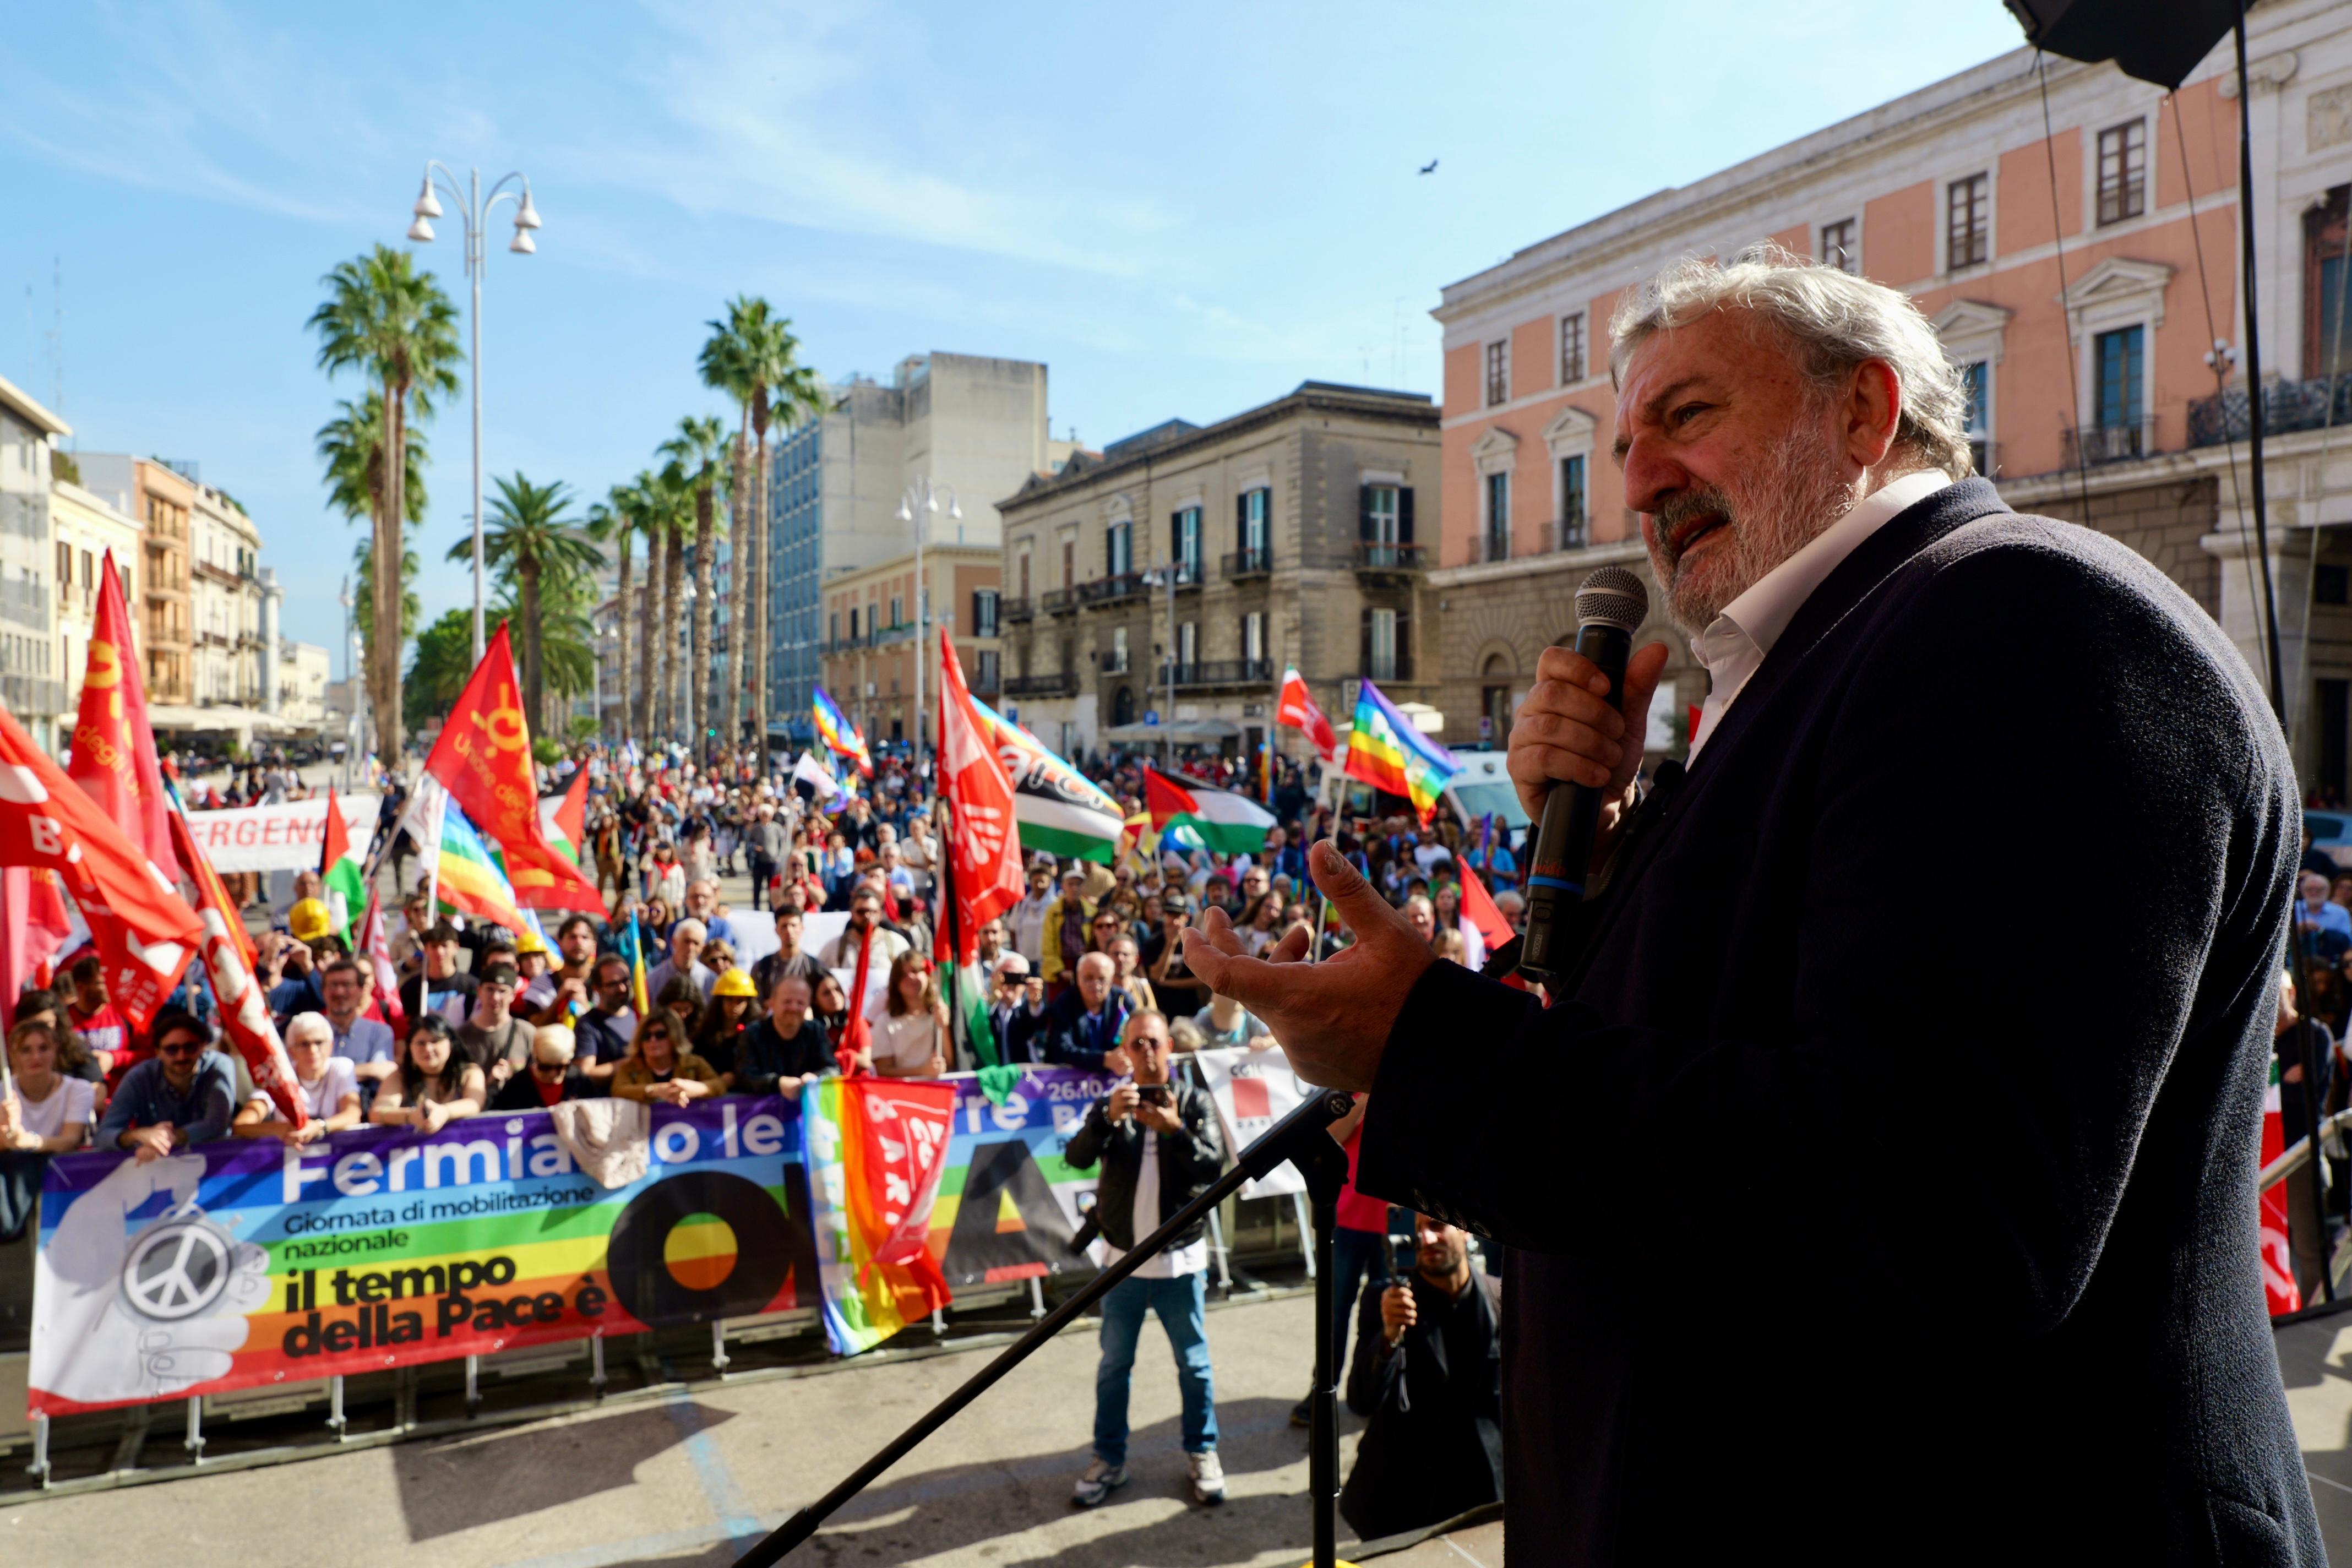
column 1059, row 810
column 565, row 816
column 971, row 1004
column 344, row 878
column 1227, row 821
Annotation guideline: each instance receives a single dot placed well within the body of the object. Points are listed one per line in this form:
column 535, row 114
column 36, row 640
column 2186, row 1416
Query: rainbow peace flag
column 1386, row 752
column 471, row 882
column 839, row 735
column 877, row 1148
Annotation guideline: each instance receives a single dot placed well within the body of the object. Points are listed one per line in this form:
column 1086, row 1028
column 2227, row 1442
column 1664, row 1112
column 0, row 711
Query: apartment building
column 1176, row 573
column 973, row 427
column 870, row 644
column 225, row 604
column 31, row 678
column 163, row 502
column 2083, row 312
column 87, row 529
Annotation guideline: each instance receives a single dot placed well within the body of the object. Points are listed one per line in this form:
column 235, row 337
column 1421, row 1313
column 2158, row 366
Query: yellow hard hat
column 528, row 940
column 308, row 920
column 735, row 982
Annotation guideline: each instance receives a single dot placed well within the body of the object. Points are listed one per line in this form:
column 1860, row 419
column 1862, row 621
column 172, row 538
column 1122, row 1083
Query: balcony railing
column 1113, row 589
column 1061, row 601
column 1016, row 609
column 1219, row 672
column 1249, row 562
column 1486, row 547
column 1063, row 683
column 1984, row 455
column 1390, row 557
column 1114, row 660
column 2287, row 406
column 2095, row 444
column 1571, row 532
column 1189, row 574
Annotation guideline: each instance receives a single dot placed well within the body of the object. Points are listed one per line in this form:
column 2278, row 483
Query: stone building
column 163, row 502
column 870, row 646
column 225, row 604
column 87, row 530
column 1178, row 572
column 2077, row 310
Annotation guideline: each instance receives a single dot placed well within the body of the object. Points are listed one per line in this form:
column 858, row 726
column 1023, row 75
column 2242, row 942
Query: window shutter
column 1404, row 514
column 1404, row 644
column 1365, row 662
column 1364, row 520
column 1241, row 521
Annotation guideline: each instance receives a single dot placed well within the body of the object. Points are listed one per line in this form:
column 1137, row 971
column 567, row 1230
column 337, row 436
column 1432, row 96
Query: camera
column 1154, row 1094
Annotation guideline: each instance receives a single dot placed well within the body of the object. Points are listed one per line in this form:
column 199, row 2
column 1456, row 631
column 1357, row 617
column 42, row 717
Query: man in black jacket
column 787, row 1049
column 1989, row 1230
column 1428, row 1380
column 1160, row 1146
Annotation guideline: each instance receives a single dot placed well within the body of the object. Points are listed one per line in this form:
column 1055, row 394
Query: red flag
column 2277, row 1250
column 113, row 748
column 856, row 1034
column 244, row 1006
column 144, row 932
column 483, row 759
column 984, row 850
column 376, row 957
column 1479, row 908
column 34, row 925
column 571, row 816
column 1296, row 709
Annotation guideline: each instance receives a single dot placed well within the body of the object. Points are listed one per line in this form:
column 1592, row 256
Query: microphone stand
column 1302, row 1138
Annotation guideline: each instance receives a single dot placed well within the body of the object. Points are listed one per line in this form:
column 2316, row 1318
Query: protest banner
column 278, row 837
column 1008, row 1203
column 240, row 1264
column 1253, row 1089
column 876, row 1148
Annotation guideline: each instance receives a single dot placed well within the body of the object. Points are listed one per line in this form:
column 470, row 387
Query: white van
column 1484, row 785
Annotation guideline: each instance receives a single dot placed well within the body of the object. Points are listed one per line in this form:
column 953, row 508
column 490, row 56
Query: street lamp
column 1167, row 577
column 474, row 211
column 923, row 499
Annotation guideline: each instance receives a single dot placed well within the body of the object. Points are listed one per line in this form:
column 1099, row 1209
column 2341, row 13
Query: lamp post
column 921, row 499
column 474, row 211
column 1167, row 577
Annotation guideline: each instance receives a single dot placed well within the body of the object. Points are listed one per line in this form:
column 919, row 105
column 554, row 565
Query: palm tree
column 532, row 541
column 647, row 490
column 352, row 446
column 668, row 505
column 386, row 319
column 695, row 451
column 612, row 520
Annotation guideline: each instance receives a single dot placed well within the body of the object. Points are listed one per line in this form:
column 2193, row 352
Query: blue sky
column 1183, row 210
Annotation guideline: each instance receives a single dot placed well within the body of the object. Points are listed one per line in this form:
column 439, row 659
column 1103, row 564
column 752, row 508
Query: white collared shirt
column 1735, row 642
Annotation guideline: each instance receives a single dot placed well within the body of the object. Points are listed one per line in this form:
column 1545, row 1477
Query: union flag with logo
column 483, row 759
column 983, row 845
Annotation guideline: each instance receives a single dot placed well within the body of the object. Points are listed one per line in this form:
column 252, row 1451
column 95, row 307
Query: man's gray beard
column 1769, row 516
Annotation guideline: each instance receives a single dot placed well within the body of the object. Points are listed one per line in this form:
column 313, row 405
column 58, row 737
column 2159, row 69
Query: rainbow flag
column 471, row 880
column 1386, row 752
column 839, row 735
column 877, row 1148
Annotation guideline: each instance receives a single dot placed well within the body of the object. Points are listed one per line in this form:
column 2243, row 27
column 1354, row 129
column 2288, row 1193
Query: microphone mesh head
column 1614, row 597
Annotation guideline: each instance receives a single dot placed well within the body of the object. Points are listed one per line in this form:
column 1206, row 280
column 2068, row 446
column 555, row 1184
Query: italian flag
column 1228, row 823
column 344, row 878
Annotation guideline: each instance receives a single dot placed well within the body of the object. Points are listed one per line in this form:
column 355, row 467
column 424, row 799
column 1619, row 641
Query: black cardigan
column 1885, row 1188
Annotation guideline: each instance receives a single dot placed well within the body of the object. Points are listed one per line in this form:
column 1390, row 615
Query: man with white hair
column 1996, row 1254
column 686, row 938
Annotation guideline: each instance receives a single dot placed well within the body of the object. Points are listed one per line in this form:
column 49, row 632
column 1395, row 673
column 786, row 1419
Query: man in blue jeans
column 1160, row 1148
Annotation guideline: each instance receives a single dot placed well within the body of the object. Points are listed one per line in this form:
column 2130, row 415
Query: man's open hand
column 1333, row 1019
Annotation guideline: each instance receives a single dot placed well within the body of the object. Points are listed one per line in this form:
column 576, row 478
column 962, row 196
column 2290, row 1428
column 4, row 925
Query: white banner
column 1253, row 1089
column 278, row 837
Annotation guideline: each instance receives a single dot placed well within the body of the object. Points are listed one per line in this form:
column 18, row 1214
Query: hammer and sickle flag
column 483, row 759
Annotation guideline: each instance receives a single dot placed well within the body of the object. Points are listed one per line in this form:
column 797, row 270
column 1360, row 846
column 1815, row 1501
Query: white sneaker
column 1098, row 1483
column 1207, row 1477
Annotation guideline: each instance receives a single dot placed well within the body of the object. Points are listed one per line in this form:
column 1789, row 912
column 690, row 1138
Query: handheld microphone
column 1610, row 607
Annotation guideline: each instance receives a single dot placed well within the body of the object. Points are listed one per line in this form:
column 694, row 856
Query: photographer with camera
column 1160, row 1147
column 1428, row 1380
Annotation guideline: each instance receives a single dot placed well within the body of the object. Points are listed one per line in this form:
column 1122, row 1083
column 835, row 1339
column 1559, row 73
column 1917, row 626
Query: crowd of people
column 1086, row 970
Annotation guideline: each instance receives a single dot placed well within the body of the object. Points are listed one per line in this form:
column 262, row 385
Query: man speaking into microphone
column 1839, row 1230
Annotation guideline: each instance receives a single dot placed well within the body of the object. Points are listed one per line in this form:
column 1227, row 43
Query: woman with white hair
column 551, row 1076
column 329, row 1087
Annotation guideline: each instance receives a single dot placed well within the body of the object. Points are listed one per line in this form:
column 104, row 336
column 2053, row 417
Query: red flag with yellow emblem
column 483, row 759
column 113, row 748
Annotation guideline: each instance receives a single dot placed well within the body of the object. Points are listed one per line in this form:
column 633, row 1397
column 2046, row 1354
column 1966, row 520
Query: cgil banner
column 1253, row 1089
column 278, row 837
column 241, row 1264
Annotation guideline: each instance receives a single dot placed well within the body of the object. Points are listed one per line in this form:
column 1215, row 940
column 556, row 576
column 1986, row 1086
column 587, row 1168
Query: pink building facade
column 2085, row 317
